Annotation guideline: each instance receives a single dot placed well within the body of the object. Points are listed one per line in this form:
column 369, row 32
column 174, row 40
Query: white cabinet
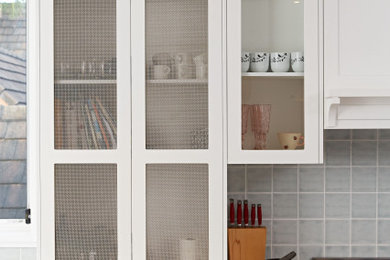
column 85, row 130
column 177, row 128
column 356, row 69
column 271, row 111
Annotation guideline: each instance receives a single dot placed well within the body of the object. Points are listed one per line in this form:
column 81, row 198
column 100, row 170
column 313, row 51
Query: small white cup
column 280, row 61
column 259, row 62
column 184, row 71
column 201, row 71
column 297, row 61
column 161, row 71
column 245, row 61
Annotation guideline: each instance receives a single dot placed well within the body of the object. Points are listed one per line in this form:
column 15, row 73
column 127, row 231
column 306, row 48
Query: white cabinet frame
column 120, row 156
column 212, row 156
column 312, row 92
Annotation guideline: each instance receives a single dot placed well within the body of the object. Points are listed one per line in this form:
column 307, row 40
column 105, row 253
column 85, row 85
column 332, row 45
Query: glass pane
column 86, row 211
column 177, row 211
column 13, row 110
column 85, row 74
column 176, row 74
column 272, row 65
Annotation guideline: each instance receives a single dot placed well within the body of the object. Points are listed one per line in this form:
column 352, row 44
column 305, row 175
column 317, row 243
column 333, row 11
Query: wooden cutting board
column 247, row 243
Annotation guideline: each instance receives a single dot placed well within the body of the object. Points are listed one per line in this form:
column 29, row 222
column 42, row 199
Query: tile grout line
column 377, row 190
column 324, row 212
column 350, row 192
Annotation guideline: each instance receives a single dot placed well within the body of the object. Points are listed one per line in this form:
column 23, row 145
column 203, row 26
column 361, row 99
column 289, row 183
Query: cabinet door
column 177, row 129
column 274, row 93
column 85, row 129
column 356, row 48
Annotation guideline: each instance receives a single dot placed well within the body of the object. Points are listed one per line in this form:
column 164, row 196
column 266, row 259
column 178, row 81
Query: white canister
column 161, row 71
column 188, row 249
column 297, row 61
column 183, row 58
column 184, row 71
column 245, row 61
column 280, row 61
column 259, row 62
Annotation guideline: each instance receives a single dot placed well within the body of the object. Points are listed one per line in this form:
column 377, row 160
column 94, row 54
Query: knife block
column 247, row 243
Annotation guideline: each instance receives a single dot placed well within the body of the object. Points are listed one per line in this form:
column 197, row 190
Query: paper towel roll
column 188, row 248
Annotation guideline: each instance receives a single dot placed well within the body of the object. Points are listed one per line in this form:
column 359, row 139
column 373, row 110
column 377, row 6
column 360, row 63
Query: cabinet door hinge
column 27, row 216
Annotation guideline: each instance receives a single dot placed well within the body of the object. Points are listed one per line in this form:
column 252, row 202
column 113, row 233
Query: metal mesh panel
column 85, row 49
column 86, row 211
column 177, row 210
column 176, row 95
column 85, row 117
column 84, row 32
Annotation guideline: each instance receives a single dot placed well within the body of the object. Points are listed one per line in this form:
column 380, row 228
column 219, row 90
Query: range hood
column 357, row 108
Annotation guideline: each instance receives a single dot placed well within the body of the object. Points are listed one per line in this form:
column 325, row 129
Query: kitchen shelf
column 288, row 75
column 85, row 81
column 178, row 81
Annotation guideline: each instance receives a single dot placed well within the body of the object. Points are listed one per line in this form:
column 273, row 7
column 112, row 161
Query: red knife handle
column 246, row 213
column 253, row 214
column 231, row 212
column 239, row 213
column 259, row 214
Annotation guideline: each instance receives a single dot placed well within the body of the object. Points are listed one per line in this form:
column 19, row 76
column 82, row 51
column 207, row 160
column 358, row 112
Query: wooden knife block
column 247, row 243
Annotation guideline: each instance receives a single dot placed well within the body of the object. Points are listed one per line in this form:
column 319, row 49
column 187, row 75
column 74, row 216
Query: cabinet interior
column 274, row 26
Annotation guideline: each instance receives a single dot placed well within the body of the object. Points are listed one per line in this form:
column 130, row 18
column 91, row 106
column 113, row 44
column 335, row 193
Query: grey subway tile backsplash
column 311, row 232
column 337, row 179
column 284, row 206
column 337, row 205
column 259, row 179
column 311, row 180
column 285, row 179
column 311, row 205
column 337, row 231
column 384, row 232
column 363, row 232
column 364, row 134
column 383, row 251
column 308, row 252
column 384, row 134
column 364, row 153
column 384, row 153
column 343, row 134
column 384, row 179
column 364, row 179
column 384, row 205
column 284, row 232
column 363, row 205
column 339, row 208
column 363, row 251
column 336, row 251
column 337, row 153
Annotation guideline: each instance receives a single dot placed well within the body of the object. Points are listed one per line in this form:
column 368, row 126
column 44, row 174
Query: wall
column 339, row 208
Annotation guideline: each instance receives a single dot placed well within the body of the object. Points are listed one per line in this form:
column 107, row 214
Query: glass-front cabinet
column 274, row 81
column 177, row 129
column 85, row 129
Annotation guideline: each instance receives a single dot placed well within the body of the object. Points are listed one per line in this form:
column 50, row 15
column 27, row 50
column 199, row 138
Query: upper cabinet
column 177, row 129
column 356, row 69
column 274, row 81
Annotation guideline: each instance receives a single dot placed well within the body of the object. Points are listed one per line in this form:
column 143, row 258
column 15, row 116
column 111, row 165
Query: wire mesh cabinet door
column 85, row 129
column 177, row 129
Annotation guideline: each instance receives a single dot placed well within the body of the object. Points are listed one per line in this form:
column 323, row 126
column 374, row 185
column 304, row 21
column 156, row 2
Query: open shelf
column 295, row 75
column 85, row 81
column 178, row 81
